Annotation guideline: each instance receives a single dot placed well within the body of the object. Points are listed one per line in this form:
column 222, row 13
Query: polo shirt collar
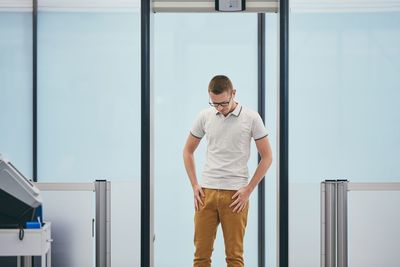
column 235, row 112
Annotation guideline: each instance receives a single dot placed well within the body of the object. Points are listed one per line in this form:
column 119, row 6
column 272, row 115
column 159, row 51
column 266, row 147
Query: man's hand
column 242, row 195
column 198, row 194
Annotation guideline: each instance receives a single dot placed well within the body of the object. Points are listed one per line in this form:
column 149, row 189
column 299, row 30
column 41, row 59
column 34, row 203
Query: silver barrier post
column 323, row 250
column 328, row 223
column 342, row 223
column 103, row 223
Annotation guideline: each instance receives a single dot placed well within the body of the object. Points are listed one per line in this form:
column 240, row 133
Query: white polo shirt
column 228, row 148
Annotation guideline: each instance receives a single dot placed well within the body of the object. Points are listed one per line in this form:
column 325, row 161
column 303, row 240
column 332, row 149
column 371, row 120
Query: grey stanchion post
column 328, row 224
column 342, row 223
column 103, row 223
column 334, row 223
column 323, row 239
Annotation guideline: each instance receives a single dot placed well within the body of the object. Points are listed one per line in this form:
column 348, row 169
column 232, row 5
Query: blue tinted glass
column 89, row 96
column 16, row 89
column 344, row 115
column 89, row 112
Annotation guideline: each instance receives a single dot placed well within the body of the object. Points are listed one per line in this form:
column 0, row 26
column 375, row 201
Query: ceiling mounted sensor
column 230, row 5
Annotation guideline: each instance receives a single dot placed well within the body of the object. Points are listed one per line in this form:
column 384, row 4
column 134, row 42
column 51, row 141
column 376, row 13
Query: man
column 224, row 192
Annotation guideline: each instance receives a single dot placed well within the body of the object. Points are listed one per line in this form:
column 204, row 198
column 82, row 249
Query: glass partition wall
column 16, row 86
column 16, row 90
column 89, row 108
column 344, row 98
column 88, row 97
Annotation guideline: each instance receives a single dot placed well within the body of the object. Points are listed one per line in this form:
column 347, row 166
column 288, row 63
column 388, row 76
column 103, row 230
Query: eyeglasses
column 222, row 104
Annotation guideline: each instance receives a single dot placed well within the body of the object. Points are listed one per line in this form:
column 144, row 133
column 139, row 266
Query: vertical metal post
column 261, row 111
column 34, row 99
column 108, row 223
column 283, row 154
column 27, row 261
column 146, row 208
column 34, row 90
column 323, row 234
column 342, row 223
column 328, row 224
column 334, row 223
column 103, row 223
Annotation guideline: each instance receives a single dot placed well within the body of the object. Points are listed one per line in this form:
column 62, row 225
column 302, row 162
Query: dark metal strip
column 261, row 111
column 284, row 133
column 34, row 91
column 145, row 135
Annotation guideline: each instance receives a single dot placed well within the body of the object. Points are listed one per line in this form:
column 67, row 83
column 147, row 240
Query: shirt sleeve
column 258, row 129
column 198, row 126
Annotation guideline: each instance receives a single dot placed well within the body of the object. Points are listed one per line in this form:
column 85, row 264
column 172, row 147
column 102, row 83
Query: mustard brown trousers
column 216, row 210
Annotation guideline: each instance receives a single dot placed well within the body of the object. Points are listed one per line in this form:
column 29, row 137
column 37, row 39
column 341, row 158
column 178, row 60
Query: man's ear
column 234, row 92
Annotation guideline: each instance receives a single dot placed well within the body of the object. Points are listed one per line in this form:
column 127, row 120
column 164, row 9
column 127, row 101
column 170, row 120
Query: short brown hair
column 220, row 84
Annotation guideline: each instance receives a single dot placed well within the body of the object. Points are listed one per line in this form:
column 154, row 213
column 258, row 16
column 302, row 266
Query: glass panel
column 343, row 112
column 89, row 110
column 189, row 50
column 271, row 100
column 89, row 96
column 16, row 89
